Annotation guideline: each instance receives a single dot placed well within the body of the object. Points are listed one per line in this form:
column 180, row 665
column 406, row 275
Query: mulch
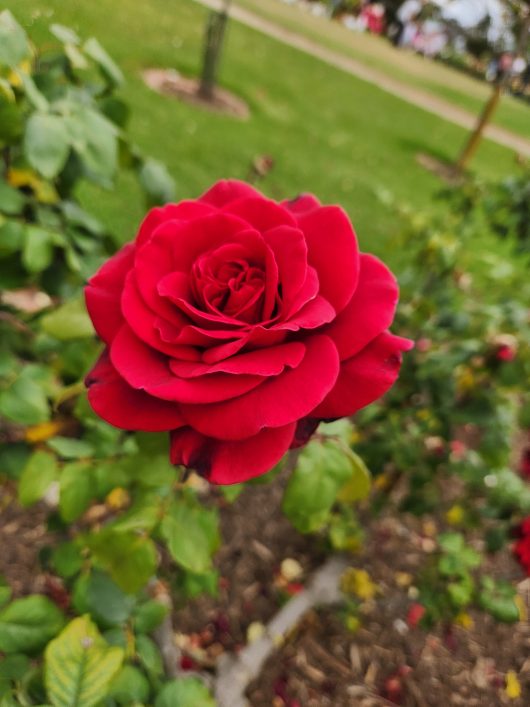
column 322, row 664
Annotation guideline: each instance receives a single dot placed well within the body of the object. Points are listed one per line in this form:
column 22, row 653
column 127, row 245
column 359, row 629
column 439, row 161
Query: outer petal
column 184, row 211
column 365, row 377
column 369, row 312
column 301, row 203
column 227, row 190
column 262, row 362
column 277, row 402
column 333, row 252
column 231, row 462
column 148, row 370
column 116, row 402
column 103, row 293
column 261, row 213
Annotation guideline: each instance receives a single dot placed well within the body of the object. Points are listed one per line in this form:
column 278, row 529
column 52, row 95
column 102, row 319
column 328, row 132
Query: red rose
column 237, row 323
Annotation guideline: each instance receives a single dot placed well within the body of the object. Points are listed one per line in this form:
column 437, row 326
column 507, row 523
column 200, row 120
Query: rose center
column 233, row 287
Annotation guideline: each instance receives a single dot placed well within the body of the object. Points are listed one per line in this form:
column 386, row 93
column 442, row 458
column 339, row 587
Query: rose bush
column 237, row 324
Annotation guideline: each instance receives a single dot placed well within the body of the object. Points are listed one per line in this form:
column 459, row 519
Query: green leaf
column 70, row 447
column 94, row 139
column 156, row 182
column 192, row 535
column 46, row 143
column 34, row 96
column 129, row 686
column 39, row 243
column 498, row 599
column 358, row 485
column 69, row 321
column 149, row 615
column 322, row 470
column 130, row 559
column 67, row 560
column 66, row 35
column 11, row 122
column 110, row 69
column 76, row 490
column 11, row 200
column 79, row 665
column 38, row 475
column 24, row 401
column 452, row 543
column 149, row 656
column 186, row 692
column 14, row 667
column 98, row 594
column 11, row 238
column 26, row 625
column 78, row 217
column 14, row 44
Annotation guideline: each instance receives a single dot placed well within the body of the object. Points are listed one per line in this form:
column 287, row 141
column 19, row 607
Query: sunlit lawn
column 327, row 131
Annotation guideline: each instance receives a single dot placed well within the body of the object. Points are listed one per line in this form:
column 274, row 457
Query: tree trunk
column 213, row 44
column 485, row 117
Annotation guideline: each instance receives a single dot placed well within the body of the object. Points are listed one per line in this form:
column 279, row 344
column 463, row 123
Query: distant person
column 405, row 16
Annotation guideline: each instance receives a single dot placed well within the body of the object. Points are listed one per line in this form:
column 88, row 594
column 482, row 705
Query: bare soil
column 170, row 83
column 323, row 664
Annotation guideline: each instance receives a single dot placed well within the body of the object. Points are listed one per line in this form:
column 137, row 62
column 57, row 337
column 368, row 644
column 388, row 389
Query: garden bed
column 322, row 663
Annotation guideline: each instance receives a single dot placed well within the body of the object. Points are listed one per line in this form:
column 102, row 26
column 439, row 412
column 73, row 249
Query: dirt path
column 417, row 97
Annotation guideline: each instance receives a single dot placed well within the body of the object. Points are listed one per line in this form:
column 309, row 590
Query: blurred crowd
column 419, row 25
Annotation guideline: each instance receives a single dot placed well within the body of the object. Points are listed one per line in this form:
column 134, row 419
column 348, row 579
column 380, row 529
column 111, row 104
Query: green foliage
column 327, row 470
column 28, row 624
column 191, row 534
column 186, row 692
column 79, row 665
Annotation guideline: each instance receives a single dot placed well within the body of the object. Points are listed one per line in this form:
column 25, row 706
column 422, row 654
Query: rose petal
column 315, row 313
column 103, row 293
column 143, row 368
column 231, row 462
column 261, row 213
column 302, row 203
column 277, row 402
column 290, row 252
column 262, row 362
column 369, row 312
column 145, row 323
column 227, row 190
column 333, row 252
column 364, row 377
column 184, row 211
column 122, row 406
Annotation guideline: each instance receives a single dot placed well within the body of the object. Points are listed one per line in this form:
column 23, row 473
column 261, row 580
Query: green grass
column 436, row 78
column 328, row 132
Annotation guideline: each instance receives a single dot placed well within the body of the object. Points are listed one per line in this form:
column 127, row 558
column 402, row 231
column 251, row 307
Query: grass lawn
column 436, row 78
column 328, row 132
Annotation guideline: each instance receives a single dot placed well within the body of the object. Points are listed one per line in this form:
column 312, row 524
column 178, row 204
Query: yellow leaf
column 117, row 499
column 352, row 623
column 465, row 620
column 513, row 686
column 455, row 515
column 42, row 432
column 523, row 611
column 358, row 582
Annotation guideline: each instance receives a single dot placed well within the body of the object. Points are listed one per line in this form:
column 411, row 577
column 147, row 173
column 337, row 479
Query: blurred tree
column 213, row 45
column 521, row 28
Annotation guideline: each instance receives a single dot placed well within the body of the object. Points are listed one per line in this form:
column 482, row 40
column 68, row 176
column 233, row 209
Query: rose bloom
column 237, row 324
column 521, row 548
